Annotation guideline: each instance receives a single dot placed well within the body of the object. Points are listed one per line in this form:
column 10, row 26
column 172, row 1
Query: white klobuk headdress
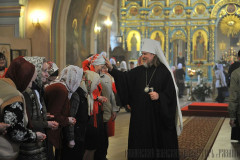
column 154, row 47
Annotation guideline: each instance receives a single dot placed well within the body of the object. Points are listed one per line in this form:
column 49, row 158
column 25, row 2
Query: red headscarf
column 20, row 72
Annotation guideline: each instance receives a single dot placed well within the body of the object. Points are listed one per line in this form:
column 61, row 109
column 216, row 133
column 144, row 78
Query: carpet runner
column 198, row 136
column 205, row 109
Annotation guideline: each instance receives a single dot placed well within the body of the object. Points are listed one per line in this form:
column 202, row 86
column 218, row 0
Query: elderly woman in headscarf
column 74, row 136
column 37, row 112
column 19, row 76
column 57, row 97
column 96, row 65
column 221, row 84
column 180, row 77
column 92, row 138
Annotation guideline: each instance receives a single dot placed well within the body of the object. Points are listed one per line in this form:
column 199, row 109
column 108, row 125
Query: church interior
column 196, row 33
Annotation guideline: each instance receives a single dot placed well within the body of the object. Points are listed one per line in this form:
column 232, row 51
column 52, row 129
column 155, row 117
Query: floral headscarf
column 71, row 77
column 38, row 63
column 92, row 79
column 20, row 72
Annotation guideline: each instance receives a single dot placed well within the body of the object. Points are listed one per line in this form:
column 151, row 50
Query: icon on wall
column 200, row 9
column 157, row 10
column 178, row 9
column 158, row 36
column 133, row 11
column 231, row 8
column 200, row 45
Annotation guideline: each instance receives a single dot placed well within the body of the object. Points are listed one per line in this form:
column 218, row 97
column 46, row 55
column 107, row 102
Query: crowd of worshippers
column 49, row 114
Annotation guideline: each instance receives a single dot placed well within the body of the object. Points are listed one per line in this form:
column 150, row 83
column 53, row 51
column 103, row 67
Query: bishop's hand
column 108, row 64
column 154, row 95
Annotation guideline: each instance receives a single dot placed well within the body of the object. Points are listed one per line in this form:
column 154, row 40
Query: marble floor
column 223, row 147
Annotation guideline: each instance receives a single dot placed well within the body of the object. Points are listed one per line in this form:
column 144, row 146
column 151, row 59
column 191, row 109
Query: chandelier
column 230, row 25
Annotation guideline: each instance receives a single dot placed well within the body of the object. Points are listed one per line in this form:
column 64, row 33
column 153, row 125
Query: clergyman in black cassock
column 152, row 130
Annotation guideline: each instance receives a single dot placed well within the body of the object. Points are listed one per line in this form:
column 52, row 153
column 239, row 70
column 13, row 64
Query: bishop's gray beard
column 147, row 65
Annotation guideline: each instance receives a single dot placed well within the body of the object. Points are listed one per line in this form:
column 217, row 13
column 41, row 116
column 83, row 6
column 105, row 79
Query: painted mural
column 79, row 22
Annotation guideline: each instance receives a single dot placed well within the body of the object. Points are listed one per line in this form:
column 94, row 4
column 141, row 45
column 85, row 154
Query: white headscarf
column 71, row 77
column 123, row 65
column 154, row 47
column 92, row 79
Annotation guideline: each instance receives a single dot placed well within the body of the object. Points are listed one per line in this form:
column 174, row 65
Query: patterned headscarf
column 53, row 68
column 20, row 72
column 38, row 63
column 98, row 59
column 70, row 76
column 92, row 79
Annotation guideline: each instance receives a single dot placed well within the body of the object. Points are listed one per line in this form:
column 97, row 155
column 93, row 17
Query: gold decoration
column 238, row 11
column 222, row 13
column 178, row 35
column 219, row 5
column 230, row 25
